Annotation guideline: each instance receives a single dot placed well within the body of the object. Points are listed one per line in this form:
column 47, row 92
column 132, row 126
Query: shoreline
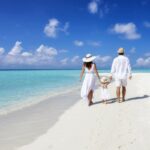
column 67, row 120
column 23, row 126
column 122, row 126
column 33, row 100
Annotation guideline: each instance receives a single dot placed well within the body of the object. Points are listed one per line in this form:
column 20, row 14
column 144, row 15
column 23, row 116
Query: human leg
column 90, row 97
column 124, row 84
column 123, row 93
column 118, row 93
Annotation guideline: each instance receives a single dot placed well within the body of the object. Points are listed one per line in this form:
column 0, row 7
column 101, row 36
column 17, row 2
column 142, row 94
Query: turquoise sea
column 19, row 86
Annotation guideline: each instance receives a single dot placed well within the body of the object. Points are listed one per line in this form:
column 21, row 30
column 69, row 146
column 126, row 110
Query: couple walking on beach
column 120, row 71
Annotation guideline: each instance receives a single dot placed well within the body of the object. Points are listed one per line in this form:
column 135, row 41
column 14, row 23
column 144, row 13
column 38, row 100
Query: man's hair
column 120, row 53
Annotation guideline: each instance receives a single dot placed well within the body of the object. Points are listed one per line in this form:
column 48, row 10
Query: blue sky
column 58, row 33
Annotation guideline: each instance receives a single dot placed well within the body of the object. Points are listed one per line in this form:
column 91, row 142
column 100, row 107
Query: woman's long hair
column 88, row 64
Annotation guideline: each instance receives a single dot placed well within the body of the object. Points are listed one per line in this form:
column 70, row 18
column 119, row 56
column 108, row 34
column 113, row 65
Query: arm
column 112, row 69
column 129, row 70
column 82, row 72
column 96, row 72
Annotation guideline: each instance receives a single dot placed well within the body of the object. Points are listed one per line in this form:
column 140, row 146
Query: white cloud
column 94, row 43
column 63, row 51
column 75, row 59
column 46, row 51
column 16, row 50
column 2, row 50
column 78, row 43
column 65, row 28
column 52, row 28
column 143, row 62
column 133, row 50
column 26, row 54
column 64, row 61
column 127, row 30
column 93, row 7
column 147, row 24
column 43, row 55
column 98, row 7
column 103, row 60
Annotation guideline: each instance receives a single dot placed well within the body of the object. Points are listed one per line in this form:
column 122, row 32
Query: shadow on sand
column 138, row 98
column 113, row 100
column 110, row 101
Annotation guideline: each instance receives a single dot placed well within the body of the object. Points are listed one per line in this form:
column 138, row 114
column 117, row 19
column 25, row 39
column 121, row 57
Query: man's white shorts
column 121, row 82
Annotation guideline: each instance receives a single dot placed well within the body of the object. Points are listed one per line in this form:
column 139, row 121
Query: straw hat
column 88, row 58
column 120, row 50
column 105, row 80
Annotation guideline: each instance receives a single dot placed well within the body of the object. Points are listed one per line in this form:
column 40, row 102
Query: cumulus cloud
column 78, row 43
column 64, row 61
column 103, row 60
column 143, row 62
column 53, row 28
column 75, row 59
column 17, row 48
column 46, row 51
column 43, row 55
column 93, row 7
column 2, row 50
column 147, row 24
column 94, row 43
column 26, row 54
column 98, row 7
column 129, row 30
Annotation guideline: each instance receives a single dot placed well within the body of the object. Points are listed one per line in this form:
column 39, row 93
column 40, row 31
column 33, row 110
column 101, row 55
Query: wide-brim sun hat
column 88, row 58
column 105, row 80
column 120, row 50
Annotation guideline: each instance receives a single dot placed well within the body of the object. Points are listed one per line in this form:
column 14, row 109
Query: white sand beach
column 67, row 123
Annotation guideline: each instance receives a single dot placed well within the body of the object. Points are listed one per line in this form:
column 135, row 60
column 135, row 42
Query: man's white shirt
column 121, row 67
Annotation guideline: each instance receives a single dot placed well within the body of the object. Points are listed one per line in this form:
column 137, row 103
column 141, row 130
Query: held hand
column 130, row 77
column 110, row 77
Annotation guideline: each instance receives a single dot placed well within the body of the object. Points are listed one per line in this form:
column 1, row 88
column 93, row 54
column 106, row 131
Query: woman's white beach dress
column 88, row 83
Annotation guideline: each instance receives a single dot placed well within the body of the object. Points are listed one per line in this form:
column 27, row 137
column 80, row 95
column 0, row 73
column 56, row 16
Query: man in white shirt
column 121, row 70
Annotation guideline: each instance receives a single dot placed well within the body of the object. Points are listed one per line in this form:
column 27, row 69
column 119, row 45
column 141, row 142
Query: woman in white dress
column 88, row 85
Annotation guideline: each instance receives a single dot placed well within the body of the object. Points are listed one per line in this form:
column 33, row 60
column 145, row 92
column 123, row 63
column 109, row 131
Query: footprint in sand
column 119, row 147
column 133, row 141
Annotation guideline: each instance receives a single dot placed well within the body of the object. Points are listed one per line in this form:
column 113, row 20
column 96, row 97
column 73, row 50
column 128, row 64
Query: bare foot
column 123, row 99
column 90, row 103
column 105, row 102
column 118, row 100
